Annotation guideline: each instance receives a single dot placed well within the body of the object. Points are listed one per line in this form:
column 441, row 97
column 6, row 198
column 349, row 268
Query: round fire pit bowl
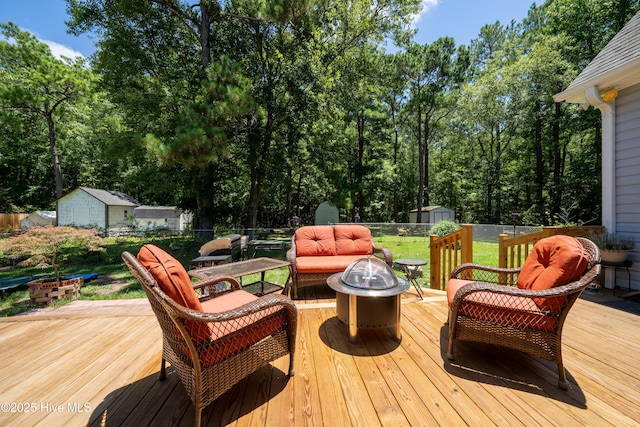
column 368, row 295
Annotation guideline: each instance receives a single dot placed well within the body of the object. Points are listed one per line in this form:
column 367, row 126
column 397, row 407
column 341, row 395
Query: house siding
column 627, row 177
column 81, row 209
column 433, row 216
column 117, row 216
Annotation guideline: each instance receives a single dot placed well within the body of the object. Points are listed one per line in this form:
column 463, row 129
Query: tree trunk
column 556, row 188
column 420, row 167
column 206, row 214
column 497, row 178
column 258, row 168
column 57, row 171
column 537, row 148
column 205, row 35
column 359, row 164
column 395, row 167
column 425, row 177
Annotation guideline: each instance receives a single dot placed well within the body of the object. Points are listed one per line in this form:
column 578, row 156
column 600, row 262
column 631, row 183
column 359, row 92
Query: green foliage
column 205, row 123
column 35, row 85
column 51, row 246
column 271, row 107
column 114, row 279
column 443, row 228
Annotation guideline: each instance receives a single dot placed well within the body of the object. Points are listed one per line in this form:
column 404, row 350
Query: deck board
column 108, row 356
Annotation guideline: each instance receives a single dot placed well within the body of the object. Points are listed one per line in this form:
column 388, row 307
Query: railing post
column 467, row 243
column 549, row 230
column 434, row 267
column 502, row 250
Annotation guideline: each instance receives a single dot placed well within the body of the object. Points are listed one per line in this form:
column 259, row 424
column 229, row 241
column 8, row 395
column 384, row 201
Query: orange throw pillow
column 554, row 261
column 170, row 275
column 315, row 240
column 353, row 240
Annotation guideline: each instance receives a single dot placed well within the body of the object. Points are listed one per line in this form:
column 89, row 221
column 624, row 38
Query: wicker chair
column 230, row 343
column 486, row 306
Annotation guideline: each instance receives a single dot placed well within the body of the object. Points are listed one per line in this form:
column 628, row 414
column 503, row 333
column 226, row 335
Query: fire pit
column 368, row 295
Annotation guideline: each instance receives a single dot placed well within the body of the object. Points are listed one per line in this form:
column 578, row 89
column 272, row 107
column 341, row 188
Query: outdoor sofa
column 318, row 251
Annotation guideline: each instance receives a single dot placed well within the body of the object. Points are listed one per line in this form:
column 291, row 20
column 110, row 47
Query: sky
column 460, row 19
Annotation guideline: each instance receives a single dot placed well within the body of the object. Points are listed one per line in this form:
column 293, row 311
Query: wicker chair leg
column 452, row 331
column 163, row 370
column 562, row 377
column 450, row 351
column 198, row 419
column 292, row 370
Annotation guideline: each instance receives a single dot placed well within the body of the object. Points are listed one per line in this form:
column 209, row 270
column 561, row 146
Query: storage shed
column 432, row 215
column 90, row 207
column 38, row 218
column 155, row 217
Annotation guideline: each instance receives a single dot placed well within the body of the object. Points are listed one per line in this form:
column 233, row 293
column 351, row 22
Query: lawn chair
column 232, row 332
column 522, row 308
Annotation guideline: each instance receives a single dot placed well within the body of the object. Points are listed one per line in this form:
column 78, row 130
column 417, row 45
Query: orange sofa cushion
column 353, row 240
column 334, row 264
column 170, row 275
column 230, row 337
column 553, row 261
column 504, row 309
column 315, row 240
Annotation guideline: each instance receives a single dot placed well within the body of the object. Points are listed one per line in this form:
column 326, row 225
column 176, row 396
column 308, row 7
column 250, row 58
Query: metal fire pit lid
column 369, row 273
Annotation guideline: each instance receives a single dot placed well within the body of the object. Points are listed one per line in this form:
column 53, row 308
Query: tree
column 434, row 73
column 33, row 81
column 51, row 246
column 157, row 56
column 490, row 108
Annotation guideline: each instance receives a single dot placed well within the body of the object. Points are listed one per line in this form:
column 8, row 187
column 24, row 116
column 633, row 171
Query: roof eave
column 619, row 78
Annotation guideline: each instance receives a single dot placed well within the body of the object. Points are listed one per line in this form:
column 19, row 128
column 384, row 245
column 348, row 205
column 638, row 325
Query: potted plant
column 613, row 247
column 49, row 246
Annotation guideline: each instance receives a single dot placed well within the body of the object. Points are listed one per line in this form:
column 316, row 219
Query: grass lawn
column 115, row 282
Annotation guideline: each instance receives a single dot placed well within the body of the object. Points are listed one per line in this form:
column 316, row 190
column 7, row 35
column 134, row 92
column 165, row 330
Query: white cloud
column 426, row 6
column 58, row 50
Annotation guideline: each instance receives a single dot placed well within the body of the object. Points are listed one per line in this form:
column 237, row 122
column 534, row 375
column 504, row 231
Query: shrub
column 51, row 246
column 444, row 227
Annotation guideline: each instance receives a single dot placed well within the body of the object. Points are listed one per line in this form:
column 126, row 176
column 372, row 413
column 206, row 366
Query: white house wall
column 627, row 176
column 159, row 223
column 118, row 215
column 80, row 209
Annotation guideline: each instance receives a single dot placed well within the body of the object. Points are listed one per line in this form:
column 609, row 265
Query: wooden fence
column 456, row 248
column 513, row 251
column 11, row 221
column 447, row 252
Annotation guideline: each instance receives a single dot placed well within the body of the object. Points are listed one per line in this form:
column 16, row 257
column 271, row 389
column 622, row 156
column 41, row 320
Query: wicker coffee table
column 245, row 268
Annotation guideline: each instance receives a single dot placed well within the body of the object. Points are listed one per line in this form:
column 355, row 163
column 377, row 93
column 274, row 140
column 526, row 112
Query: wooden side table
column 411, row 267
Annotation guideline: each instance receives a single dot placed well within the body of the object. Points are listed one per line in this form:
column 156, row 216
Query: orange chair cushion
column 315, row 240
column 334, row 264
column 499, row 308
column 230, row 337
column 353, row 240
column 554, row 261
column 170, row 275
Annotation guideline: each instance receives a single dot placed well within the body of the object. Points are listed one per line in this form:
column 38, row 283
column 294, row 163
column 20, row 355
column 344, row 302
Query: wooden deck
column 96, row 363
